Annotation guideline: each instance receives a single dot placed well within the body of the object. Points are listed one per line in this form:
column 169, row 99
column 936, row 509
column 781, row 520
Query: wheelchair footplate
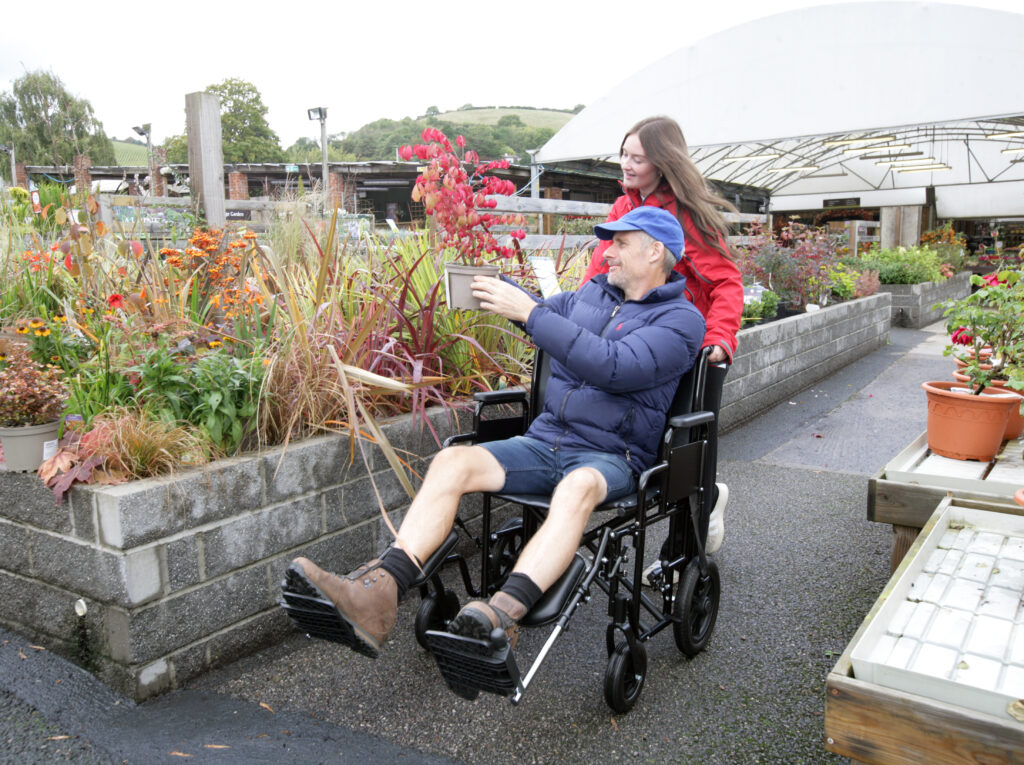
column 470, row 666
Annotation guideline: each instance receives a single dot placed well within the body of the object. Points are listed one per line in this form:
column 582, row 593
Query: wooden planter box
column 180, row 574
column 905, row 492
column 928, row 677
column 913, row 304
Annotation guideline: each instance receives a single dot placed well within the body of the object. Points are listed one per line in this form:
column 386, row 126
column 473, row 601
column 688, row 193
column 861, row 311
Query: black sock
column 401, row 566
column 523, row 589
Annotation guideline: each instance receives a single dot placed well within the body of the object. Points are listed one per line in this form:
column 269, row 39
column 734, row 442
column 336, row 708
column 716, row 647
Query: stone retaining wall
column 777, row 359
column 912, row 303
column 181, row 574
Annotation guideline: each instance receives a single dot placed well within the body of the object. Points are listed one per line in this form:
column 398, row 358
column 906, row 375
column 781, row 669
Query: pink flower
column 405, row 153
column 460, row 141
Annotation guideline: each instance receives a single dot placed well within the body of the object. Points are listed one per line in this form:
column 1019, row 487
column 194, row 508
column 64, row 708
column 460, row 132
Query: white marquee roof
column 925, row 82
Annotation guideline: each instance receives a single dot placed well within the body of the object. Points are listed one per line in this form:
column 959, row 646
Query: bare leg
column 550, row 550
column 453, row 472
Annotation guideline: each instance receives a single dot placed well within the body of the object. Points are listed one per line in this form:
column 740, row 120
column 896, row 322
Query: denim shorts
column 533, row 467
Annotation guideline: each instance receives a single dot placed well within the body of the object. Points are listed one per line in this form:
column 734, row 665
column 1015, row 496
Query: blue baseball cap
column 655, row 222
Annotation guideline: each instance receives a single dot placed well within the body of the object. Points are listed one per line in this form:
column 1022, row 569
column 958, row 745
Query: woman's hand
column 717, row 355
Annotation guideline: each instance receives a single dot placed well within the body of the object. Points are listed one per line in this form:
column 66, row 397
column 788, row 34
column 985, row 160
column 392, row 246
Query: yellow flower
column 43, row 332
column 215, row 343
column 23, row 330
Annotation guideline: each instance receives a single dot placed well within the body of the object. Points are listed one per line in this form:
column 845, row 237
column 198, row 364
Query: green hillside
column 535, row 118
column 129, row 154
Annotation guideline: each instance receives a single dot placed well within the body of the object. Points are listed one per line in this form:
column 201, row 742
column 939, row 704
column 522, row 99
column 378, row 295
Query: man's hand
column 502, row 298
column 717, row 354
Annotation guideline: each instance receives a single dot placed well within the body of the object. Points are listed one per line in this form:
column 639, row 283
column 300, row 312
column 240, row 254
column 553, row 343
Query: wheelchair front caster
column 435, row 611
column 624, row 677
column 696, row 607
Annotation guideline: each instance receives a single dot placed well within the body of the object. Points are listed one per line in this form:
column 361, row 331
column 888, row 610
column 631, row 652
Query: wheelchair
column 675, row 492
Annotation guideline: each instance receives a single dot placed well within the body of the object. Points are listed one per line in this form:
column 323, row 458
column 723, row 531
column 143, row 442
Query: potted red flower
column 454, row 190
column 32, row 399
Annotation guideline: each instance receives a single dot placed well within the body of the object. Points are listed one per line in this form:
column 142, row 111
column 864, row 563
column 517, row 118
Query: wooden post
column 205, row 155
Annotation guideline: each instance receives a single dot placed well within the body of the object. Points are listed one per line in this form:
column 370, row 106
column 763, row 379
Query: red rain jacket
column 713, row 283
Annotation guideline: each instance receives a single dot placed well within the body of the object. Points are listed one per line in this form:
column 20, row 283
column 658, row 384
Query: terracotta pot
column 458, row 280
column 27, row 446
column 965, row 426
column 961, row 364
column 1015, row 422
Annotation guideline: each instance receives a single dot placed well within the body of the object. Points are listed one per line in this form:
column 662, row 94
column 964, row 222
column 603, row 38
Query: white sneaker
column 716, row 523
column 655, row 569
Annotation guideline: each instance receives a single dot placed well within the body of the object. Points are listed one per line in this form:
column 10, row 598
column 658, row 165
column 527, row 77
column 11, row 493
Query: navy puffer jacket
column 615, row 367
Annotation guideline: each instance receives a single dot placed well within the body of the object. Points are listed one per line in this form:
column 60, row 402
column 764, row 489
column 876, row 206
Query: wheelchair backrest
column 689, row 395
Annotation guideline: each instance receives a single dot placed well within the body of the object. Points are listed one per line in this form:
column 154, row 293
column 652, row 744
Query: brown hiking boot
column 358, row 610
column 478, row 619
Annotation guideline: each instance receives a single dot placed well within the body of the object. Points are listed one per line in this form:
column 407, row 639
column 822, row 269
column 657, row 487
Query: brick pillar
column 338, row 194
column 157, row 185
column 83, row 179
column 238, row 185
column 21, row 174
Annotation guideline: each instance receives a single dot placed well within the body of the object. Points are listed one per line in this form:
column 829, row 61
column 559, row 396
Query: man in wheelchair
column 618, row 348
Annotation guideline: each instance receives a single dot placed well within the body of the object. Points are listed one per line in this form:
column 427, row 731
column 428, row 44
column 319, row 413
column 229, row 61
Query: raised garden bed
column 180, row 574
column 913, row 304
column 777, row 359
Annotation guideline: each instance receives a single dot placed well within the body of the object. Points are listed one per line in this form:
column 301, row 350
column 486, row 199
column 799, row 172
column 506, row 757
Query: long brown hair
column 665, row 147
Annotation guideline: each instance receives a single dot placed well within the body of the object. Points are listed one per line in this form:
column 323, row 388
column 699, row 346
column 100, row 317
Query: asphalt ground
column 800, row 568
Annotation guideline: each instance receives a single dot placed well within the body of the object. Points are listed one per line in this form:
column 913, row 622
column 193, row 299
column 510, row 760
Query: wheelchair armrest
column 691, row 420
column 506, row 396
column 458, row 438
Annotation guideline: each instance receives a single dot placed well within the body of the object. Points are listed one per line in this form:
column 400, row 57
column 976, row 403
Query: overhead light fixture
column 1012, row 134
column 854, row 141
column 901, row 155
column 793, row 169
column 1018, row 150
column 914, row 161
column 924, row 169
column 864, row 149
column 751, row 157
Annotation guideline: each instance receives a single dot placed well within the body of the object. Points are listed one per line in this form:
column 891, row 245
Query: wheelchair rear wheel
column 696, row 607
column 435, row 611
column 624, row 677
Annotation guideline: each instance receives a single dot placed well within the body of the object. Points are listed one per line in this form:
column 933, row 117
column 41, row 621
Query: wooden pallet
column 868, row 722
column 907, row 490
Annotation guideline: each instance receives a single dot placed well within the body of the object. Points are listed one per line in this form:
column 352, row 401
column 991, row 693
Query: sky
column 136, row 61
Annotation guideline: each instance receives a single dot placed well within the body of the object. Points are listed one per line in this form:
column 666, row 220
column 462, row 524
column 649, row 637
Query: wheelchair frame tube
column 581, row 589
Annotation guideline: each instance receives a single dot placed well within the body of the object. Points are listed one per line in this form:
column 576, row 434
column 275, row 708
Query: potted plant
column 454, row 190
column 32, row 398
column 970, row 418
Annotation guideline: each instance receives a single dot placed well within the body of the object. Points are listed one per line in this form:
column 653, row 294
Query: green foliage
column 307, row 150
column 905, row 265
column 49, row 126
column 378, row 140
column 843, row 280
column 244, row 130
column 990, row 317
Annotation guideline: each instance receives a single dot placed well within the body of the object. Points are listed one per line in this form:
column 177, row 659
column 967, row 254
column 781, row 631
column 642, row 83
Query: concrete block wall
column 913, row 305
column 180, row 574
column 777, row 359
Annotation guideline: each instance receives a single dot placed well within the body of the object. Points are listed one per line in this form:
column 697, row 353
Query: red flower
column 405, row 153
column 116, row 300
column 960, row 337
column 460, row 141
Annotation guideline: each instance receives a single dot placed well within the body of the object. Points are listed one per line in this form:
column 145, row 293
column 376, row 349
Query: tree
column 245, row 134
column 49, row 126
column 432, row 111
column 243, row 123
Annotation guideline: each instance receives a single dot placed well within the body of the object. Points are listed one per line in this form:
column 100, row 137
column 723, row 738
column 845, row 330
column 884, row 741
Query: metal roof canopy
column 841, row 90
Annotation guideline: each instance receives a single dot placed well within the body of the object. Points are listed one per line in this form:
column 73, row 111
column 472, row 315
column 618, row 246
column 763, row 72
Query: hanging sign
column 847, row 202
